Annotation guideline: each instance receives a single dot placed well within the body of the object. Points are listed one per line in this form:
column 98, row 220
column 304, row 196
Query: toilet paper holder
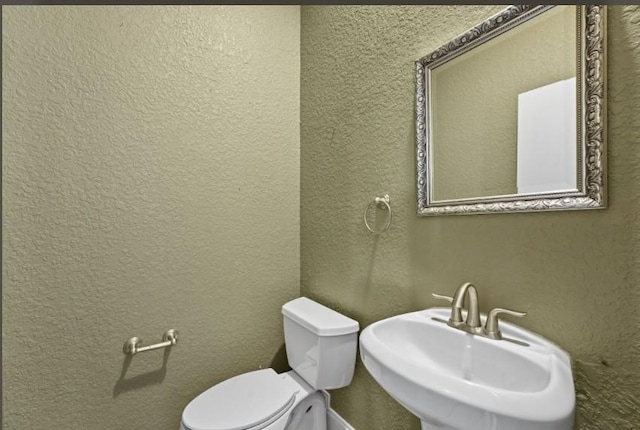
column 133, row 346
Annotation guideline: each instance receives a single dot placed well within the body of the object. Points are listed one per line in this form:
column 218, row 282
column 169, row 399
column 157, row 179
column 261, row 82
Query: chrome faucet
column 472, row 324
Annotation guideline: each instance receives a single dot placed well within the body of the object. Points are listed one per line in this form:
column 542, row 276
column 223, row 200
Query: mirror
column 510, row 115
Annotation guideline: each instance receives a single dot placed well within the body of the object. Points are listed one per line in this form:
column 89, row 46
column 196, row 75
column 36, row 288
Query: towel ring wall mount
column 383, row 202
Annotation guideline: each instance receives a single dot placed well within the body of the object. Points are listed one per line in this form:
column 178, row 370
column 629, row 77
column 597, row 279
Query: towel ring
column 378, row 201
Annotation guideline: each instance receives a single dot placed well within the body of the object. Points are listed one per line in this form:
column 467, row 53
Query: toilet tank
column 321, row 343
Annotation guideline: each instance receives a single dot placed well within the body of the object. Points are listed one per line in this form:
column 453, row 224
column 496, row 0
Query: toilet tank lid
column 318, row 318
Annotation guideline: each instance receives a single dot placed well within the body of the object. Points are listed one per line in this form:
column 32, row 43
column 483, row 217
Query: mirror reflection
column 503, row 115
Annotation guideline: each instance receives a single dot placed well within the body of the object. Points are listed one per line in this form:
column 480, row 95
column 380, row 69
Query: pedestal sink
column 455, row 380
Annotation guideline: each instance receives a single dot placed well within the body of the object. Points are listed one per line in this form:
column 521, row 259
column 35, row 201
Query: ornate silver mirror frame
column 591, row 116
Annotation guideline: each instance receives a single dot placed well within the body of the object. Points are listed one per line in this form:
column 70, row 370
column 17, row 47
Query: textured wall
column 576, row 273
column 150, row 181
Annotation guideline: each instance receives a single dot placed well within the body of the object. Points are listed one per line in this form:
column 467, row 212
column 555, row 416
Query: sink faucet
column 472, row 323
column 473, row 312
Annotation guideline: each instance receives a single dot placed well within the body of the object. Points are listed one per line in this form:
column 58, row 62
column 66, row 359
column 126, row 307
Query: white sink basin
column 454, row 380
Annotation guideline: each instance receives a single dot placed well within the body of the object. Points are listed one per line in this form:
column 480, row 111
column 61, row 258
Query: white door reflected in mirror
column 547, row 147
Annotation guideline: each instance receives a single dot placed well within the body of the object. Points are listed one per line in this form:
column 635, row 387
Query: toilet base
column 309, row 414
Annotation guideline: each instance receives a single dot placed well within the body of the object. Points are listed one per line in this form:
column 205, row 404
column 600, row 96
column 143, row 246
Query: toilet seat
column 245, row 402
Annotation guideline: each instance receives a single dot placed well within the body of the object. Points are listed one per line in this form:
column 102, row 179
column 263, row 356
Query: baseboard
column 335, row 421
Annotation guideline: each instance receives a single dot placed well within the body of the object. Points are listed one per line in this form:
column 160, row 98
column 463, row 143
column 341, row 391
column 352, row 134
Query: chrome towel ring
column 383, row 202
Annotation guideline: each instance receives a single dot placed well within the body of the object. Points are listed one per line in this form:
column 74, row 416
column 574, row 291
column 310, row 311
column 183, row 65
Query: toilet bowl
column 256, row 400
column 321, row 349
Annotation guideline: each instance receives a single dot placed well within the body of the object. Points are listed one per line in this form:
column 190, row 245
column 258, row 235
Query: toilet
column 321, row 349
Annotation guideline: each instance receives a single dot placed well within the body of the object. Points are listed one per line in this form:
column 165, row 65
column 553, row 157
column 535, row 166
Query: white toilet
column 321, row 349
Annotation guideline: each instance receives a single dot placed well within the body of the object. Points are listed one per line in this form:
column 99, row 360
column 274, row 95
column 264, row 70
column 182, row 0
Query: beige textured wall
column 576, row 273
column 480, row 158
column 150, row 181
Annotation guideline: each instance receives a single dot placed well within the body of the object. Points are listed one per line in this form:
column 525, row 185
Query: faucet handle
column 491, row 328
column 440, row 296
column 456, row 313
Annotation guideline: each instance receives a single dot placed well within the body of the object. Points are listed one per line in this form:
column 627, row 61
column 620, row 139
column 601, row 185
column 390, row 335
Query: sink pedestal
column 429, row 426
